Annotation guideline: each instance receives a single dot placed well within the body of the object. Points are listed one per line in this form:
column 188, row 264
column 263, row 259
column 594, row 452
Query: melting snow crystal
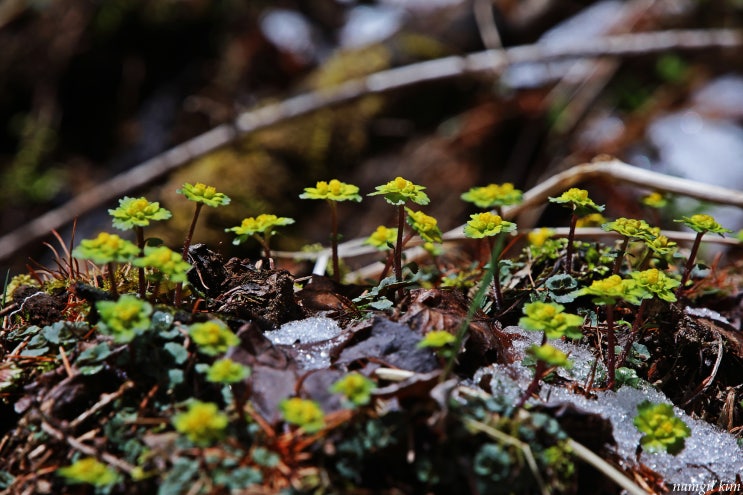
column 315, row 330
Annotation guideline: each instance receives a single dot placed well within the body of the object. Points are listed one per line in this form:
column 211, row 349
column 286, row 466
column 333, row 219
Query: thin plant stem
column 494, row 262
column 265, row 243
column 571, row 237
column 610, row 343
column 334, row 241
column 398, row 243
column 690, row 263
column 633, row 333
column 192, row 228
column 112, row 278
column 539, row 371
column 184, row 253
column 620, row 256
column 140, row 243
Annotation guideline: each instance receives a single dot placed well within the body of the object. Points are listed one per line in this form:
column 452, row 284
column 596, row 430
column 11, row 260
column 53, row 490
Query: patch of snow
column 315, row 330
column 711, row 455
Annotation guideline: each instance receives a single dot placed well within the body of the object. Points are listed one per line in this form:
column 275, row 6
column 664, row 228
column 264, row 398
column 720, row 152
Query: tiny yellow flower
column 212, row 337
column 355, row 387
column 334, row 190
column 303, row 413
column 202, row 423
column 611, row 289
column 661, row 429
column 437, row 339
column 550, row 318
column 382, row 238
column 486, row 224
column 165, row 260
column 106, row 248
column 264, row 224
column 632, row 228
column 537, row 237
column 591, row 220
column 577, row 199
column 137, row 212
column 201, row 193
column 227, row 371
column 703, row 223
column 656, row 283
column 89, row 470
column 124, row 319
column 399, row 191
column 550, row 355
column 655, row 200
column 493, row 195
column 426, row 226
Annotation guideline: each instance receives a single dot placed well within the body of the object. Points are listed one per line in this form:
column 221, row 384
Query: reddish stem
column 610, row 343
column 184, row 254
column 620, row 256
column 690, row 263
column 140, row 243
column 571, row 237
column 334, row 241
column 112, row 278
column 494, row 259
column 398, row 243
column 539, row 370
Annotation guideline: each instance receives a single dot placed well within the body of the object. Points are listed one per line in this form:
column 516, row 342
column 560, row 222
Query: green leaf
column 179, row 353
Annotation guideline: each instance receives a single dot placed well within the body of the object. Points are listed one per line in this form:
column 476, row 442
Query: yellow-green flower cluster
column 424, row 225
column 486, row 224
column 399, row 191
column 212, row 337
column 202, row 423
column 550, row 318
column 538, row 237
column 655, row 200
column 703, row 223
column 89, row 470
column 262, row 224
column 201, row 193
column 355, row 387
column 493, row 195
column 577, row 199
column 124, row 319
column 106, row 248
column 661, row 429
column 550, row 355
column 631, row 228
column 656, row 283
column 166, row 261
column 226, row 370
column 304, row 413
column 382, row 238
column 437, row 339
column 611, row 289
column 137, row 212
column 591, row 220
column 334, row 190
column 661, row 245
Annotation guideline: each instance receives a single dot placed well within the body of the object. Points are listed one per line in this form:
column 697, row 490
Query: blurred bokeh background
column 91, row 88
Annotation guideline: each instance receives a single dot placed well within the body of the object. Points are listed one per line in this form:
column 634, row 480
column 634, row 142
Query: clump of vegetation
column 192, row 397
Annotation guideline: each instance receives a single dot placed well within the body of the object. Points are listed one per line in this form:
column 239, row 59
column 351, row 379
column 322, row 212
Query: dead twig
column 87, row 449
